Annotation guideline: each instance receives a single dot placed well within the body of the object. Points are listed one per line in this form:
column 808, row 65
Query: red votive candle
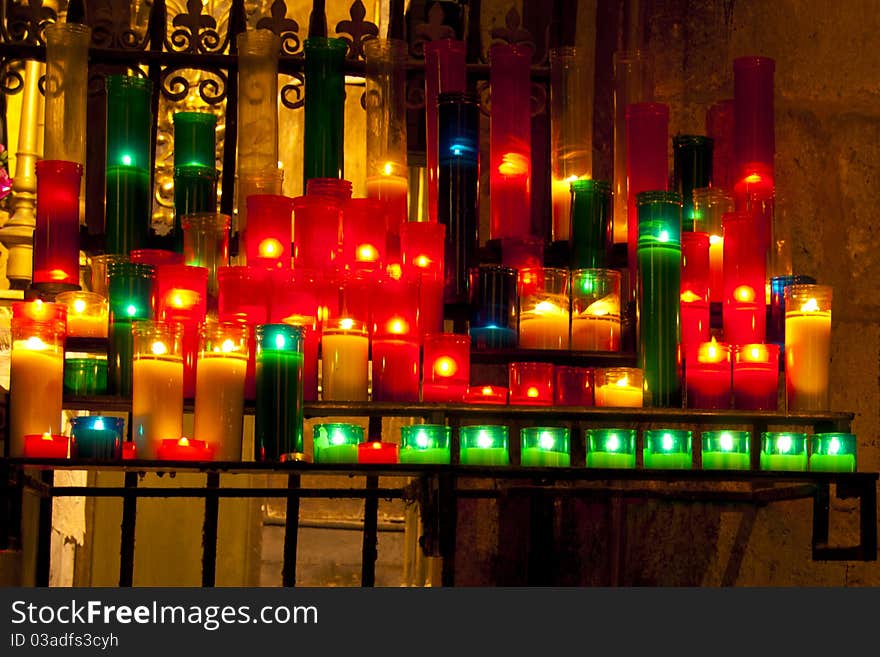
column 352, row 295
column 447, row 367
column 395, row 370
column 292, row 293
column 184, row 449
column 46, row 446
column 745, row 304
column 707, row 375
column 129, row 451
column 574, row 386
column 531, row 383
column 56, row 231
column 363, row 246
column 522, row 252
column 377, row 452
column 486, row 395
column 694, row 289
column 422, row 246
column 317, row 227
column 181, row 293
column 396, row 313
column 756, row 377
column 269, row 231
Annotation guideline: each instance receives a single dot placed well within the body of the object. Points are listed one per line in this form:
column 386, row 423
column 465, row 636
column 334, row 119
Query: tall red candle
column 269, row 230
column 396, row 315
column 363, row 245
column 447, row 367
column 756, row 377
column 395, row 370
column 573, row 386
column 318, row 224
column 422, row 246
column 694, row 289
column 531, row 384
column 745, row 310
column 754, row 126
column 243, row 298
column 720, row 127
column 182, row 293
column 754, row 193
column 707, row 375
column 56, row 232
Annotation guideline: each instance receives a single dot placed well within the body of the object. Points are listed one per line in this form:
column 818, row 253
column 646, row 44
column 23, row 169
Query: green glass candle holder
column 668, row 449
column 545, row 447
column 783, row 450
column 833, row 452
column 611, row 448
column 195, row 191
column 726, row 450
column 483, row 444
column 129, row 119
column 590, row 237
column 324, row 108
column 195, row 139
column 278, row 422
column 425, row 443
column 337, row 442
column 127, row 209
column 131, row 290
column 86, row 375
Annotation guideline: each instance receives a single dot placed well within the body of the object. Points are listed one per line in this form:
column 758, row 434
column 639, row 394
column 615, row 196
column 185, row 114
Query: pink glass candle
column 574, row 386
column 745, row 309
column 486, row 395
column 395, row 370
column 447, row 367
column 531, row 384
column 694, row 289
column 510, row 139
column 708, row 376
column 756, row 377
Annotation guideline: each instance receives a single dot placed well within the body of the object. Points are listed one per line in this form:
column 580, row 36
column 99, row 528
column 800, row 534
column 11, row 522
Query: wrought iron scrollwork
column 212, row 89
column 513, row 32
column 357, row 29
column 11, row 78
column 293, row 93
column 287, row 29
column 111, row 28
column 415, row 91
column 194, row 31
column 26, row 20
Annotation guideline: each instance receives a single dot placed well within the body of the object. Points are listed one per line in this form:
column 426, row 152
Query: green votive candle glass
column 783, row 450
column 545, row 447
column 85, row 375
column 337, row 442
column 668, row 449
column 425, row 443
column 611, row 448
column 833, row 452
column 324, row 108
column 195, row 139
column 131, row 298
column 659, row 262
column 726, row 450
column 195, row 191
column 590, row 238
column 278, row 424
column 483, row 444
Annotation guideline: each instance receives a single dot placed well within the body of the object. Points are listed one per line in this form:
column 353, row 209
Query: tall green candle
column 783, row 450
column 833, row 452
column 278, row 430
column 131, row 292
column 195, row 139
column 195, row 191
column 324, row 108
column 659, row 273
column 611, row 448
column 590, row 237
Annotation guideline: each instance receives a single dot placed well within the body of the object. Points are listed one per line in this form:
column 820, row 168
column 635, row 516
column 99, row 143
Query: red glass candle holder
column 522, row 252
column 531, row 384
column 510, row 141
column 350, row 296
column 395, row 370
column 720, row 127
column 707, row 375
column 447, row 367
column 396, row 316
column 756, row 377
column 269, row 230
column 753, row 98
column 374, row 451
column 363, row 247
column 184, row 449
column 422, row 246
column 647, row 165
column 745, row 310
column 487, row 395
column 754, row 193
column 129, row 451
column 156, row 257
column 46, row 446
column 317, row 226
column 243, row 298
column 694, row 289
column 181, row 293
column 573, row 386
column 294, row 301
column 56, row 232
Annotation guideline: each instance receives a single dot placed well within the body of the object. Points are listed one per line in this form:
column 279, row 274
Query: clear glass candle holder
column 345, row 346
column 595, row 310
column 545, row 447
column 618, row 387
column 483, row 445
column 807, row 347
column 425, row 443
column 87, row 314
column 833, row 452
column 611, row 448
column 783, row 450
column 206, row 244
column 726, row 449
column 668, row 449
column 544, row 308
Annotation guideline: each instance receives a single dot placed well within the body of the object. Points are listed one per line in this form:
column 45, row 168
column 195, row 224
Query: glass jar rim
column 126, row 268
column 658, row 196
column 462, row 97
column 591, row 185
column 59, row 167
column 333, row 44
column 204, row 118
column 216, row 220
column 118, row 82
column 692, row 140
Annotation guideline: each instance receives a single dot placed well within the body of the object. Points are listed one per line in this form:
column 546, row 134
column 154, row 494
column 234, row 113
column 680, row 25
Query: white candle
column 597, row 328
column 807, row 358
column 220, row 403
column 157, row 402
column 345, row 359
column 619, row 394
column 544, row 324
column 716, row 268
column 560, row 193
column 35, row 388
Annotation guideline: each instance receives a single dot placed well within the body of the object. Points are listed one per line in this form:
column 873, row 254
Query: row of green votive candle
column 607, row 448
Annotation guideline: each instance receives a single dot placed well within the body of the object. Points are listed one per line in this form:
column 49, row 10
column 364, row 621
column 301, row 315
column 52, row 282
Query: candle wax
column 755, row 386
column 708, row 385
column 369, row 453
column 611, row 460
column 560, row 192
column 219, row 407
column 393, row 191
column 87, row 326
column 39, row 446
column 726, row 461
column 35, row 392
column 183, row 450
column 595, row 332
column 484, row 456
column 544, row 326
column 674, row 461
column 345, row 365
column 157, row 403
column 336, row 454
column 784, row 462
column 278, row 425
column 536, row 457
column 618, row 396
column 833, row 463
column 807, row 360
column 395, row 371
column 431, row 455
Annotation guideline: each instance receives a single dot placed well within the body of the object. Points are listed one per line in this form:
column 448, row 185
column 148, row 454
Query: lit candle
column 184, row 449
column 425, row 443
column 560, row 196
column 345, row 358
column 667, row 449
column 510, row 194
column 619, row 387
column 708, row 375
column 833, row 452
column 545, row 447
column 392, row 190
column 46, row 446
column 395, row 370
column 483, row 445
column 397, row 315
column 807, row 346
column 595, row 318
column 337, row 442
column 756, row 377
column 269, row 230
column 219, row 403
column 87, row 314
column 745, row 308
column 97, row 437
column 531, row 383
column 710, row 206
column 363, row 247
column 694, row 289
column 611, row 448
column 486, row 395
column 129, row 451
column 783, row 451
column 447, row 370
column 374, row 451
column 544, row 316
column 278, row 416
column 726, row 450
column 157, row 386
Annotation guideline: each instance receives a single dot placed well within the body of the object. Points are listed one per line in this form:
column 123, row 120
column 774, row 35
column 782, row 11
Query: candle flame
column 394, row 270
column 421, row 440
column 756, row 353
column 484, row 440
column 58, row 274
column 177, row 298
column 784, row 444
column 668, row 442
column 346, row 324
column 810, row 306
column 513, row 164
column 710, row 352
column 548, row 308
column 183, row 442
column 367, row 253
column 715, row 239
column 98, row 425
column 834, row 446
column 532, row 392
column 47, row 436
column 726, row 442
column 228, row 346
column 608, row 305
column 270, row 248
column 753, row 178
column 377, row 445
column 446, row 366
column 79, row 306
column 487, row 390
column 622, row 382
column 388, row 169
column 131, row 310
column 35, row 344
column 159, row 348
column 422, row 261
column 612, row 443
column 398, row 326
column 744, row 293
column 546, row 441
column 688, row 296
